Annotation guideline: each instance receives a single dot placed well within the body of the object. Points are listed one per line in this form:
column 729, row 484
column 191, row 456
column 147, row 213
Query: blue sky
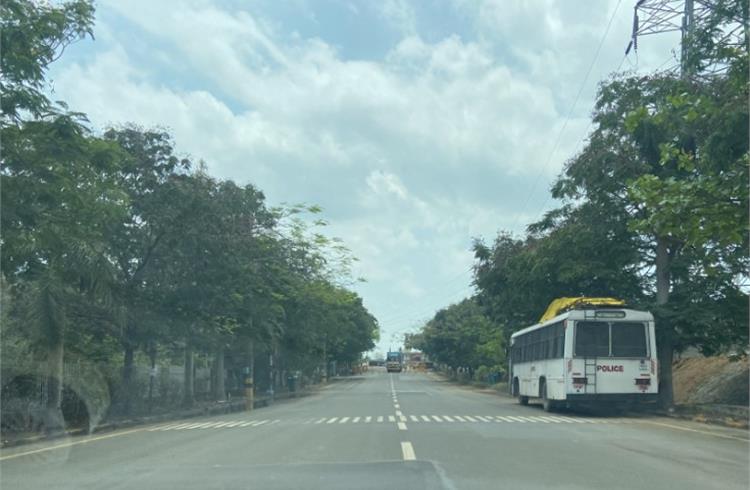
column 416, row 125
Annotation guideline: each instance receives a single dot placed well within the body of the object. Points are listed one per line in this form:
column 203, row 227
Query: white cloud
column 411, row 155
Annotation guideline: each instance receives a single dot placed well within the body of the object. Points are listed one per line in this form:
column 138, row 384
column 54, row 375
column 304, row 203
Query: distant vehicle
column 394, row 362
column 590, row 355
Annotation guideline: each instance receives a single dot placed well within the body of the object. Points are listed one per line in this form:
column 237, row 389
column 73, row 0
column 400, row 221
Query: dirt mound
column 717, row 380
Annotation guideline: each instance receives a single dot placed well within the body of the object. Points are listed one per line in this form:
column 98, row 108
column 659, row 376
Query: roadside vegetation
column 122, row 259
column 653, row 210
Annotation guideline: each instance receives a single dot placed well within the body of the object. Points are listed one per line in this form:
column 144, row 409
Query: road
column 391, row 431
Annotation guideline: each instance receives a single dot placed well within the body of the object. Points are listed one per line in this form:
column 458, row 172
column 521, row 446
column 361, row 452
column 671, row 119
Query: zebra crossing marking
column 398, row 419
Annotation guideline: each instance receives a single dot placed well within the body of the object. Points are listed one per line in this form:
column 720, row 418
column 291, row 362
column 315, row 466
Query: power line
column 570, row 114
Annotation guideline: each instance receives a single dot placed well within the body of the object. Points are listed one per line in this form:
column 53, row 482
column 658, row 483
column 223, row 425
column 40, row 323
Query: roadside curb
column 218, row 409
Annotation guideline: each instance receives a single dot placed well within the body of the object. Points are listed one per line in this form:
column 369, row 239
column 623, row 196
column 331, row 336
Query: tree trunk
column 251, row 361
column 128, row 370
column 665, row 348
column 151, row 376
column 55, row 366
column 219, row 390
column 188, row 396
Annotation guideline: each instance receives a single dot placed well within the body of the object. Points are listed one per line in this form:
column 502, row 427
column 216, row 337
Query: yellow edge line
column 68, row 444
column 677, row 427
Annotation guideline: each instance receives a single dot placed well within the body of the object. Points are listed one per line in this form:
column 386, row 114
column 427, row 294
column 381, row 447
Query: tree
column 461, row 335
column 33, row 36
column 669, row 155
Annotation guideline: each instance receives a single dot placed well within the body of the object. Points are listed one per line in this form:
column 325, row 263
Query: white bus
column 584, row 357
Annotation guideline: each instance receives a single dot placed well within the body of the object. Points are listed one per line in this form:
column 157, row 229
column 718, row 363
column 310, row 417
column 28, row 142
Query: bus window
column 592, row 339
column 628, row 339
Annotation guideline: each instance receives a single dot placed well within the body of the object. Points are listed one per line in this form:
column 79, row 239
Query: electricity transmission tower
column 661, row 16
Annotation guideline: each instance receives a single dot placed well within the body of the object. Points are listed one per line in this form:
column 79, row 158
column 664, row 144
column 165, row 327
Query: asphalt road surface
column 391, row 431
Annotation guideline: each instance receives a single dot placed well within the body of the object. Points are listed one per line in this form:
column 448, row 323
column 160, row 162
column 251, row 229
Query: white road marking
column 396, row 405
column 459, row 418
column 558, row 419
column 503, row 419
column 343, row 420
column 402, row 418
column 195, row 426
column 275, row 421
column 380, row 419
column 541, row 419
column 368, row 419
column 178, row 426
column 320, row 421
column 391, row 418
column 470, row 419
column 401, row 426
column 425, row 418
column 355, row 420
column 408, row 451
column 233, row 424
column 399, row 413
column 547, row 419
column 245, row 424
column 447, row 419
column 437, row 419
column 517, row 419
column 332, row 420
column 261, row 422
column 568, row 419
column 413, row 418
column 483, row 419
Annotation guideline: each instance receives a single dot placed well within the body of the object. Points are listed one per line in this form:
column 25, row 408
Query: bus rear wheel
column 523, row 400
column 547, row 404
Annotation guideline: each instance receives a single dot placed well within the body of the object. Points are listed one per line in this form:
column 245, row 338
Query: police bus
column 593, row 353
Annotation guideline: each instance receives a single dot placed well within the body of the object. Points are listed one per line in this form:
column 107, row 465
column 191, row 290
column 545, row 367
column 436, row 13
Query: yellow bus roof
column 562, row 304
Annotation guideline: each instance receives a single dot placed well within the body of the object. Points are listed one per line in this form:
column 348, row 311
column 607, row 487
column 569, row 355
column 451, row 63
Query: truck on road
column 394, row 362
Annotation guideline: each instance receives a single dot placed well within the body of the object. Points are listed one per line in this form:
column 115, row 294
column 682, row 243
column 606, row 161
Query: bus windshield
column 610, row 339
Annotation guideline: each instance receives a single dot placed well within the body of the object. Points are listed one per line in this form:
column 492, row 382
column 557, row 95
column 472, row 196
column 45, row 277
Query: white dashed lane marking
column 408, row 451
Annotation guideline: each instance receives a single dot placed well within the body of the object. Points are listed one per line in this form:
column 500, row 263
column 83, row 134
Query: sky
column 418, row 126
